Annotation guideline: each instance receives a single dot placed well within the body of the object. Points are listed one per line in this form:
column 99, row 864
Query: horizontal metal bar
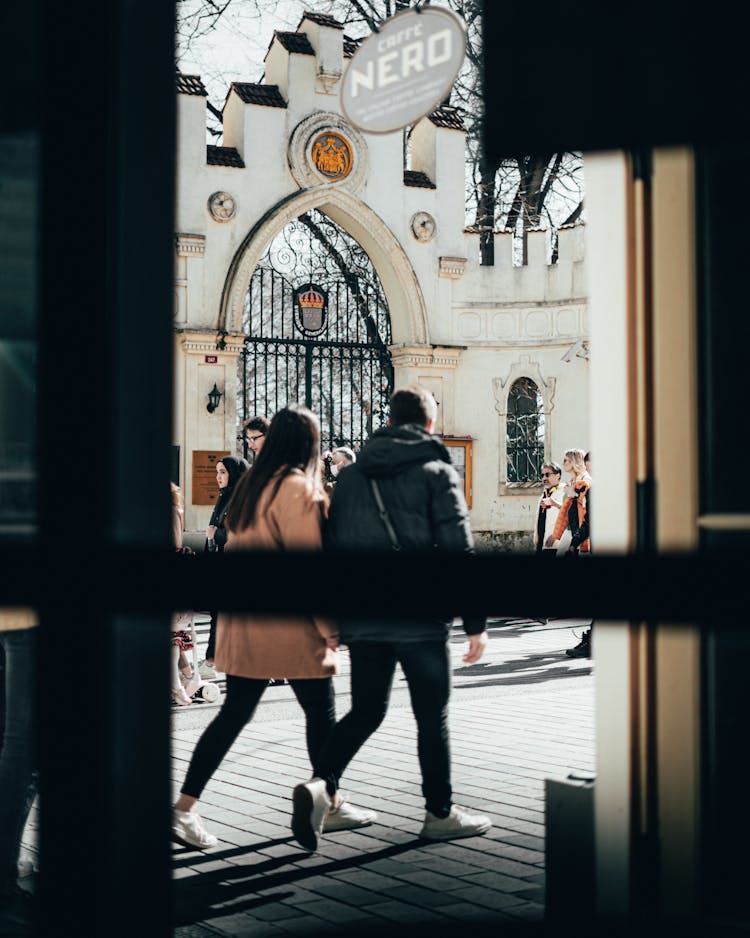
column 368, row 346
column 669, row 588
column 724, row 522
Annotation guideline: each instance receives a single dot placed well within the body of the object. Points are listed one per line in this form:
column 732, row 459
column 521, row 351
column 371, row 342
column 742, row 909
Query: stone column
column 434, row 368
column 200, row 365
column 190, row 250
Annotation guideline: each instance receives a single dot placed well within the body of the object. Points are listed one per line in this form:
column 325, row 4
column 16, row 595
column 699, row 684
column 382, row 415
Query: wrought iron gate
column 317, row 332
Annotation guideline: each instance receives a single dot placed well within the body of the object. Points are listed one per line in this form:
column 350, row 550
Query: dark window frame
column 98, row 574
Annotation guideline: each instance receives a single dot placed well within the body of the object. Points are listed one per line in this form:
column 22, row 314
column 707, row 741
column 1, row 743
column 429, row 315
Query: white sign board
column 404, row 71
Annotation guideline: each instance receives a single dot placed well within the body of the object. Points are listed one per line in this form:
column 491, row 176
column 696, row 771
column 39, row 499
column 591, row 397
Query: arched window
column 525, row 432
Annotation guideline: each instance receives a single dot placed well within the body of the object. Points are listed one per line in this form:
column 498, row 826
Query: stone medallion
column 323, row 148
column 222, row 206
column 423, row 226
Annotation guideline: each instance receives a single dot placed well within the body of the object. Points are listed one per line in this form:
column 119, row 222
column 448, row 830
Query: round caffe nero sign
column 404, row 71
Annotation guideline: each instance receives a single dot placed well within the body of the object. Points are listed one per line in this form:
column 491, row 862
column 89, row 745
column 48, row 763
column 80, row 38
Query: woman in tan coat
column 279, row 505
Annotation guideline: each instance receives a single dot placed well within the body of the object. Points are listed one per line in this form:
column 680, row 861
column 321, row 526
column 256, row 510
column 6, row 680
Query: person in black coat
column 228, row 471
column 401, row 493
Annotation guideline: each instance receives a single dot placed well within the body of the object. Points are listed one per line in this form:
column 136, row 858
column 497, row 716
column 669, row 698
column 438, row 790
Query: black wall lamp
column 214, row 396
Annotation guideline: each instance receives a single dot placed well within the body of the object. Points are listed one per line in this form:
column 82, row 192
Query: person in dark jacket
column 229, row 470
column 410, row 471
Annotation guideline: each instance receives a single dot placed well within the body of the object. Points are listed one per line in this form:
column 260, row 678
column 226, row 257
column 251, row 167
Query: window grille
column 525, row 432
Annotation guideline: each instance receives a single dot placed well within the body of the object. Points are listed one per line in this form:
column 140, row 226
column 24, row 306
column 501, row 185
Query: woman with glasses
column 550, row 503
column 279, row 505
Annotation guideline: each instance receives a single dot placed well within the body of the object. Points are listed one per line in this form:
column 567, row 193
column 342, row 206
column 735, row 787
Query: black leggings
column 211, row 646
column 315, row 696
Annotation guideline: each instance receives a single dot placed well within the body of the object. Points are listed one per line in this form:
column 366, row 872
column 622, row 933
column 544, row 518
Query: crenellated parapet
column 539, row 251
column 541, row 302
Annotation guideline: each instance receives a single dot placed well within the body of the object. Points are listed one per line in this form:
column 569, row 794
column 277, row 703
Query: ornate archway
column 401, row 287
column 317, row 331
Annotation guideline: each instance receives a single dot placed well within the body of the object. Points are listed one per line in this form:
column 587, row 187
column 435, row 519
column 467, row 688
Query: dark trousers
column 17, row 763
column 315, row 696
column 426, row 667
column 211, row 646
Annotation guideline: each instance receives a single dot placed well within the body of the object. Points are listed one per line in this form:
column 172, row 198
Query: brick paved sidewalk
column 524, row 714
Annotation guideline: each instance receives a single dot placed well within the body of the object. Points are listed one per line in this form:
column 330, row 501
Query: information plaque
column 205, row 486
column 461, row 451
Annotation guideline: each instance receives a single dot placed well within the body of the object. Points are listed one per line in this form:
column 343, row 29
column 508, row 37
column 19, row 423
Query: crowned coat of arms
column 310, row 308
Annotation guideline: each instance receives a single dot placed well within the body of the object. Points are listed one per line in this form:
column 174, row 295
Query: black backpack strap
column 385, row 517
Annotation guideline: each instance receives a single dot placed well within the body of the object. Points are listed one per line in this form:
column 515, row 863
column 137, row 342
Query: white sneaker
column 310, row 804
column 346, row 817
column 180, row 698
column 459, row 823
column 207, row 671
column 188, row 829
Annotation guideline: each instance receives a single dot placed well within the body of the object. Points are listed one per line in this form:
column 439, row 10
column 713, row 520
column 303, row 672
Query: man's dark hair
column 261, row 424
column 412, row 404
column 553, row 466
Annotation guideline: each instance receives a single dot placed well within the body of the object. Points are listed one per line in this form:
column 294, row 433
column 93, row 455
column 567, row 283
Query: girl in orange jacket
column 575, row 513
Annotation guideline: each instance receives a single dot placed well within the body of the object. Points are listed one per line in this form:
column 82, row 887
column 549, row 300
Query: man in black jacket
column 401, row 493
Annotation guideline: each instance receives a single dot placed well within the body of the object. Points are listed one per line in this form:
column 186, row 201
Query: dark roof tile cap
column 420, row 180
column 322, row 19
column 223, row 156
column 190, row 84
column 294, row 42
column 265, row 95
column 447, row 116
column 350, row 46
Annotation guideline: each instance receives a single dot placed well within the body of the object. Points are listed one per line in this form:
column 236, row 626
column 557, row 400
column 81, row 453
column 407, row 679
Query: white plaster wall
column 496, row 509
column 385, row 160
column 327, row 45
column 196, row 428
column 191, row 138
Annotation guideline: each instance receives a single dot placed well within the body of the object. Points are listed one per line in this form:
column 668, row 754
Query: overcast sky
column 235, row 49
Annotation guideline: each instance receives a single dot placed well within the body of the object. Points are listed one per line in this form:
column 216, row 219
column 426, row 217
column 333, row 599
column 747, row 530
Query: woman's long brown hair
column 292, row 442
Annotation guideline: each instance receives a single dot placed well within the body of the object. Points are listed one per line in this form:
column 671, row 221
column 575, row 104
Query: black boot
column 583, row 648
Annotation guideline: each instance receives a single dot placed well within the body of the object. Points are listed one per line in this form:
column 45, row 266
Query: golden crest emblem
column 332, row 155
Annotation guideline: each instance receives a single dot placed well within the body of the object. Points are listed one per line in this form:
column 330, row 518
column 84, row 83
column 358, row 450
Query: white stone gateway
column 490, row 342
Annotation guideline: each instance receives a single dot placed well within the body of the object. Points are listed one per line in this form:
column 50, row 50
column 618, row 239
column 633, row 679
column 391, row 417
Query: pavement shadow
column 531, row 669
column 216, row 893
